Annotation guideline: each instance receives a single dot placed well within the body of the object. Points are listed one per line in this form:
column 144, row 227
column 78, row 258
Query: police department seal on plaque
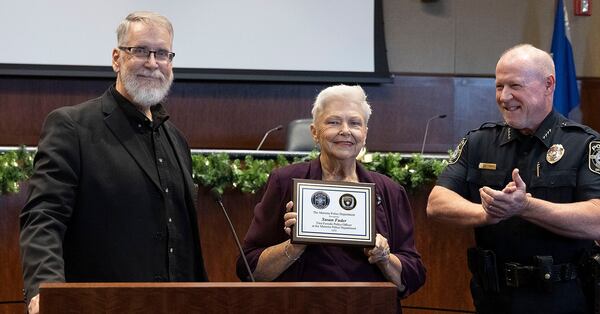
column 320, row 200
column 347, row 201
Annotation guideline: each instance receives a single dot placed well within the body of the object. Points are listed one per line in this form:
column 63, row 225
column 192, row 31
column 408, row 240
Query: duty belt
column 518, row 275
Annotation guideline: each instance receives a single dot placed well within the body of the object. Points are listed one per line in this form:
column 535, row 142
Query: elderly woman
column 340, row 115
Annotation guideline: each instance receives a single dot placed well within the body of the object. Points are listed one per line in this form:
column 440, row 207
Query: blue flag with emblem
column 566, row 95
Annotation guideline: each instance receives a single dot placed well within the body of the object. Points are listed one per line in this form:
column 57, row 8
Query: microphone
column 277, row 128
column 441, row 116
column 217, row 197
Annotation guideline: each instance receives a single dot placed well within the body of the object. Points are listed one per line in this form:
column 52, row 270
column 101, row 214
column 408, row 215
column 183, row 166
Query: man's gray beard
column 144, row 94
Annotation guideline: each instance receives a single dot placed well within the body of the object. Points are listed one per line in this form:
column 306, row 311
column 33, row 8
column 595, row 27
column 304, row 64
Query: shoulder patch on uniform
column 594, row 159
column 455, row 155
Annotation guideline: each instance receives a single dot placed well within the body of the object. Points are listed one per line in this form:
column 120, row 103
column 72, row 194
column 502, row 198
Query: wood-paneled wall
column 235, row 115
column 11, row 289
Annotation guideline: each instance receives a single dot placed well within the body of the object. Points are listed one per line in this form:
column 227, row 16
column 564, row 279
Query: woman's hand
column 289, row 218
column 389, row 264
column 291, row 251
column 380, row 253
column 275, row 259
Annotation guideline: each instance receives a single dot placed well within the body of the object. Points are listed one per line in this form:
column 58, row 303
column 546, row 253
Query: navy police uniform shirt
column 560, row 163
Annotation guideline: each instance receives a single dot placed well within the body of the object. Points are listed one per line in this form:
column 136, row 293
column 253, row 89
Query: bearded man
column 112, row 197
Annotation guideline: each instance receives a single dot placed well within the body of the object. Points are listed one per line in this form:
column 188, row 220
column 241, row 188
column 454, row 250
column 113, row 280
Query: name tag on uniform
column 487, row 166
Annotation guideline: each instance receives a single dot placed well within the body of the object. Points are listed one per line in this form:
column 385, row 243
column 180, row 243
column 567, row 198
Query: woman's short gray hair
column 354, row 94
column 146, row 17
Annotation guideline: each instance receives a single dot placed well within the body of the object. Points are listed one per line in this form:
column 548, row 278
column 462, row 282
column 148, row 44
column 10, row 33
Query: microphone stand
column 442, row 116
column 277, row 128
column 217, row 197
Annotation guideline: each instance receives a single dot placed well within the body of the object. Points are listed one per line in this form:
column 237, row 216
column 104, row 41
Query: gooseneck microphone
column 217, row 197
column 441, row 116
column 277, row 128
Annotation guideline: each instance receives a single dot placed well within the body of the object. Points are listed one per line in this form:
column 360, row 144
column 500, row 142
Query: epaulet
column 488, row 125
column 569, row 124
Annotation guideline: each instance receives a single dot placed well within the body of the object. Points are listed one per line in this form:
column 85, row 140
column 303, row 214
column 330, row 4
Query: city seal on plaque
column 347, row 201
column 320, row 200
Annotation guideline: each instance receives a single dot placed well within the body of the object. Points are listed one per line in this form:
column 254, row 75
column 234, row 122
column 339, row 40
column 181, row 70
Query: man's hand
column 512, row 200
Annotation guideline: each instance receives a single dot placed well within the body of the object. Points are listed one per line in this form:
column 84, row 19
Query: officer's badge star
column 594, row 157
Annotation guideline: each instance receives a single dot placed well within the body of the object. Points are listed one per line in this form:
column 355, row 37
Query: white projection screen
column 282, row 40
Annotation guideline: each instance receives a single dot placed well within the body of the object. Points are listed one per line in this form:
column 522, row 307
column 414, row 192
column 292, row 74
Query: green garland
column 248, row 175
column 15, row 166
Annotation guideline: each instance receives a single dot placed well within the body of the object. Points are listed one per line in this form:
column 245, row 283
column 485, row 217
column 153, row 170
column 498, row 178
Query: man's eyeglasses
column 144, row 53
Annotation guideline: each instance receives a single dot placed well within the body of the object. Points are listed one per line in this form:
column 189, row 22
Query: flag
column 566, row 95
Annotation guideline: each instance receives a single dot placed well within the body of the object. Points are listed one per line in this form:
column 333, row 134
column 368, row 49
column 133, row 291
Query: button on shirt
column 176, row 237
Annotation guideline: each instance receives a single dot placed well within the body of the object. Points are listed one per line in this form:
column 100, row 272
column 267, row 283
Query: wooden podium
column 219, row 297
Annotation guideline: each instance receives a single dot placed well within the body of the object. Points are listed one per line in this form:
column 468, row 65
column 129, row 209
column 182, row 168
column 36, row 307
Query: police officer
column 530, row 186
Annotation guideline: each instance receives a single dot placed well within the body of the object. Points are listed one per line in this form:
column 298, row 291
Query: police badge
column 555, row 153
column 594, row 157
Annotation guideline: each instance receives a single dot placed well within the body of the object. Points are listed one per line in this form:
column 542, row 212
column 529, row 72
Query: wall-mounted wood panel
column 444, row 251
column 218, row 245
column 590, row 103
column 236, row 115
column 12, row 308
column 11, row 278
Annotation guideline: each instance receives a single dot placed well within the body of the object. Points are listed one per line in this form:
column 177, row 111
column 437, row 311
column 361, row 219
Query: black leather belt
column 518, row 275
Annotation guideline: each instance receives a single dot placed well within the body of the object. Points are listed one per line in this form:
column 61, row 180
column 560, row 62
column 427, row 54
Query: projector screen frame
column 381, row 73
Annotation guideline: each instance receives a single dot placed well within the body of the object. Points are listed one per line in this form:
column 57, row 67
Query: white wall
column 466, row 37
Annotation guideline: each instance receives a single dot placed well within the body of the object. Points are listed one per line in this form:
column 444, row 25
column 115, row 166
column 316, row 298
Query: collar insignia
column 546, row 135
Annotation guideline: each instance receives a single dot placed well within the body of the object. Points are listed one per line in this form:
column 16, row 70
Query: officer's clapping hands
column 511, row 201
